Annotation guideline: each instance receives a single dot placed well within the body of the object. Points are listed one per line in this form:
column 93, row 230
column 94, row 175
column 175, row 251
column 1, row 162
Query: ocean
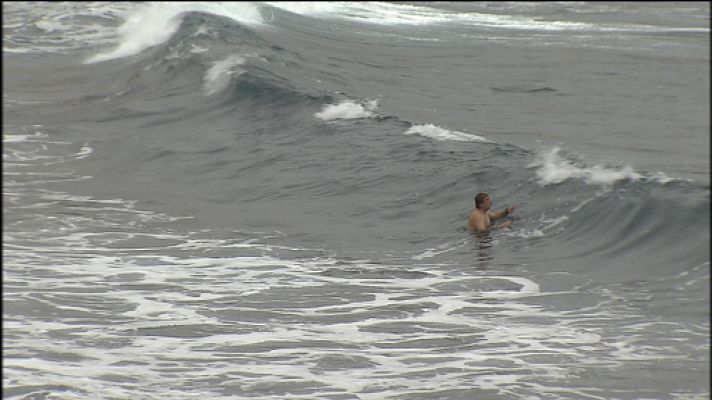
column 241, row 200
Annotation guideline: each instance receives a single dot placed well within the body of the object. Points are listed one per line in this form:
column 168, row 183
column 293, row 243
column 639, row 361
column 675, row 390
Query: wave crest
column 217, row 77
column 155, row 23
column 435, row 132
column 347, row 109
column 553, row 168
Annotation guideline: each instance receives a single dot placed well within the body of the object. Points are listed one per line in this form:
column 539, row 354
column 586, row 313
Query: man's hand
column 504, row 224
column 510, row 209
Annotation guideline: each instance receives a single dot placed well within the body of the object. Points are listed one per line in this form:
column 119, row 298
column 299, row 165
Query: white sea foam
column 373, row 12
column 12, row 138
column 385, row 13
column 197, row 49
column 34, row 147
column 256, row 318
column 526, row 233
column 58, row 26
column 444, row 248
column 438, row 133
column 347, row 109
column 217, row 78
column 550, row 223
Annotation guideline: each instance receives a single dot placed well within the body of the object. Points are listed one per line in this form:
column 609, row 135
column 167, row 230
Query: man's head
column 482, row 201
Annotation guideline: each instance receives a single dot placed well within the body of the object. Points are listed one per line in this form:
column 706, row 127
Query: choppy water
column 269, row 200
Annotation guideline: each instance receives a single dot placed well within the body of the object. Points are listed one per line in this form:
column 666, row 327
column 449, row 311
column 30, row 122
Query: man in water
column 481, row 218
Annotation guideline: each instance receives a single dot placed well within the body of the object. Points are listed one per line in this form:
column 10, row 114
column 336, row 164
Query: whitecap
column 435, row 132
column 217, row 78
column 553, row 168
column 347, row 109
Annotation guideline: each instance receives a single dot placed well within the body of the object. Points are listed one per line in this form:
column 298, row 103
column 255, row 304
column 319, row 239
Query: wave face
column 240, row 200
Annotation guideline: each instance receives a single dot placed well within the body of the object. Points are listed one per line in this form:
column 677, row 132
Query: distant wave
column 64, row 27
column 523, row 89
column 154, row 23
column 384, row 13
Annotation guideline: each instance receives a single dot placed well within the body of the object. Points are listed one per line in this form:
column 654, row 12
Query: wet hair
column 480, row 198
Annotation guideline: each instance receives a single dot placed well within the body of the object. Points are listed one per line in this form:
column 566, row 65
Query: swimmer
column 481, row 218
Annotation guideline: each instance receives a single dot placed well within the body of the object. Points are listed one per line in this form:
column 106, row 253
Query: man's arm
column 503, row 213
